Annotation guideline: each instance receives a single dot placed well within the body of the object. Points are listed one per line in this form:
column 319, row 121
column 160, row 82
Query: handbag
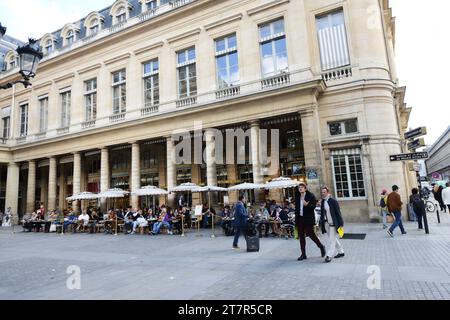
column 52, row 228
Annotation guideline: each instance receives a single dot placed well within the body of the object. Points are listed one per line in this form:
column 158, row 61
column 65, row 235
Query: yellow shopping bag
column 341, row 232
column 296, row 233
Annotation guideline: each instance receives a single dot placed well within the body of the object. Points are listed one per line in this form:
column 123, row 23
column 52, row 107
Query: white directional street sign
column 409, row 156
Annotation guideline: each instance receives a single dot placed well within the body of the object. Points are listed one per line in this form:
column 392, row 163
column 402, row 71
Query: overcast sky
column 422, row 47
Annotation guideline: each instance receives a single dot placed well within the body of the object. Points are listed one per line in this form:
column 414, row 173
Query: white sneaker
column 170, row 232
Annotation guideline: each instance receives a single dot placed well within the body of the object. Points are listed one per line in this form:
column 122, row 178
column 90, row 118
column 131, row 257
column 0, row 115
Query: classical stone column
column 52, row 184
column 104, row 174
column 211, row 165
column 12, row 190
column 76, row 177
column 311, row 146
column 256, row 160
column 135, row 172
column 31, row 186
column 62, row 188
column 162, row 171
column 171, row 169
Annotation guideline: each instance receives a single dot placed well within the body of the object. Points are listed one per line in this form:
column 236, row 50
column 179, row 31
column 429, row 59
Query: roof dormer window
column 120, row 11
column 12, row 60
column 69, row 34
column 70, row 38
column 49, row 46
column 94, row 28
column 93, row 23
column 121, row 15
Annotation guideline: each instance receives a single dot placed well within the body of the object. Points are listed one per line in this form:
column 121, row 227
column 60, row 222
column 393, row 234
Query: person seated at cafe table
column 177, row 220
column 110, row 219
column 262, row 219
column 28, row 220
column 206, row 213
column 140, row 222
column 165, row 219
column 275, row 221
column 71, row 219
column 95, row 221
column 128, row 221
column 83, row 220
column 52, row 218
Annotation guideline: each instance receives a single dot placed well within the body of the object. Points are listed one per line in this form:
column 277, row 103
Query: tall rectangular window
column 90, row 99
column 272, row 39
column 6, row 127
column 333, row 43
column 6, row 122
column 65, row 98
column 187, row 74
column 227, row 61
column 43, row 114
column 119, row 91
column 151, row 83
column 23, row 120
column 348, row 174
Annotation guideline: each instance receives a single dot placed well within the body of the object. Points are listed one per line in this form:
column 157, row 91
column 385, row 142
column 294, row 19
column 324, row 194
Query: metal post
column 116, row 226
column 12, row 224
column 212, row 215
column 438, row 215
column 182, row 224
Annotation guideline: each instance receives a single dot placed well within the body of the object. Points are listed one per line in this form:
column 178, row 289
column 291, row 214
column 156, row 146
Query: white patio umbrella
column 186, row 187
column 83, row 196
column 113, row 194
column 246, row 186
column 150, row 191
column 281, row 183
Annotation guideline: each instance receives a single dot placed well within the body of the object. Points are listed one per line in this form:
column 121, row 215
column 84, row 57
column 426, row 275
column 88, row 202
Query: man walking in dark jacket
column 240, row 221
column 305, row 219
column 330, row 221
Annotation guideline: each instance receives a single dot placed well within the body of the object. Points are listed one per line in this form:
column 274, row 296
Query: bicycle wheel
column 430, row 206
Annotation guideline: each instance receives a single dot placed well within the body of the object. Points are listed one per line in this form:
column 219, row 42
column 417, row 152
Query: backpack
column 383, row 202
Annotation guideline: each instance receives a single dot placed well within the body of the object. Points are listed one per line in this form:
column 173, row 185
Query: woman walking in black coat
column 305, row 219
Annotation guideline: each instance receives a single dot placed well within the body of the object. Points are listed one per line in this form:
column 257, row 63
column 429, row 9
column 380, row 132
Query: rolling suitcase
column 252, row 243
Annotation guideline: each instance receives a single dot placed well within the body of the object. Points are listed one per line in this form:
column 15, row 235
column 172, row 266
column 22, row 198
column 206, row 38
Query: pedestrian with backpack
column 418, row 206
column 383, row 207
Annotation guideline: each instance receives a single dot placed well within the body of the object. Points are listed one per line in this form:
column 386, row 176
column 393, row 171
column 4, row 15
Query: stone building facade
column 114, row 86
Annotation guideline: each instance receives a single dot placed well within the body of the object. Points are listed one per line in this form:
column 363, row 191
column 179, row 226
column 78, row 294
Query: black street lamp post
column 29, row 57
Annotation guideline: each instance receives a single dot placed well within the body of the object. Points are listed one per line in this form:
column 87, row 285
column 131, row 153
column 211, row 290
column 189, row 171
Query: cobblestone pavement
column 413, row 266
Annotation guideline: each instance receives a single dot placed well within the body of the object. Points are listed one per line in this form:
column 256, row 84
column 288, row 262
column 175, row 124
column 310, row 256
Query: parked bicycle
column 429, row 205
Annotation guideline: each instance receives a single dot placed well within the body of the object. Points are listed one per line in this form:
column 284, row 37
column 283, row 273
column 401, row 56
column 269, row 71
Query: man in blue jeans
column 240, row 221
column 394, row 204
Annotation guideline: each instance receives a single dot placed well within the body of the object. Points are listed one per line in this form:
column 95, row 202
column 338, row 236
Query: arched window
column 121, row 15
column 120, row 11
column 94, row 28
column 49, row 46
column 93, row 23
column 12, row 60
column 70, row 37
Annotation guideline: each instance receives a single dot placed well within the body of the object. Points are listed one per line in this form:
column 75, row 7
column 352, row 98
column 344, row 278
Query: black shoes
column 327, row 259
column 322, row 251
column 302, row 257
column 340, row 255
